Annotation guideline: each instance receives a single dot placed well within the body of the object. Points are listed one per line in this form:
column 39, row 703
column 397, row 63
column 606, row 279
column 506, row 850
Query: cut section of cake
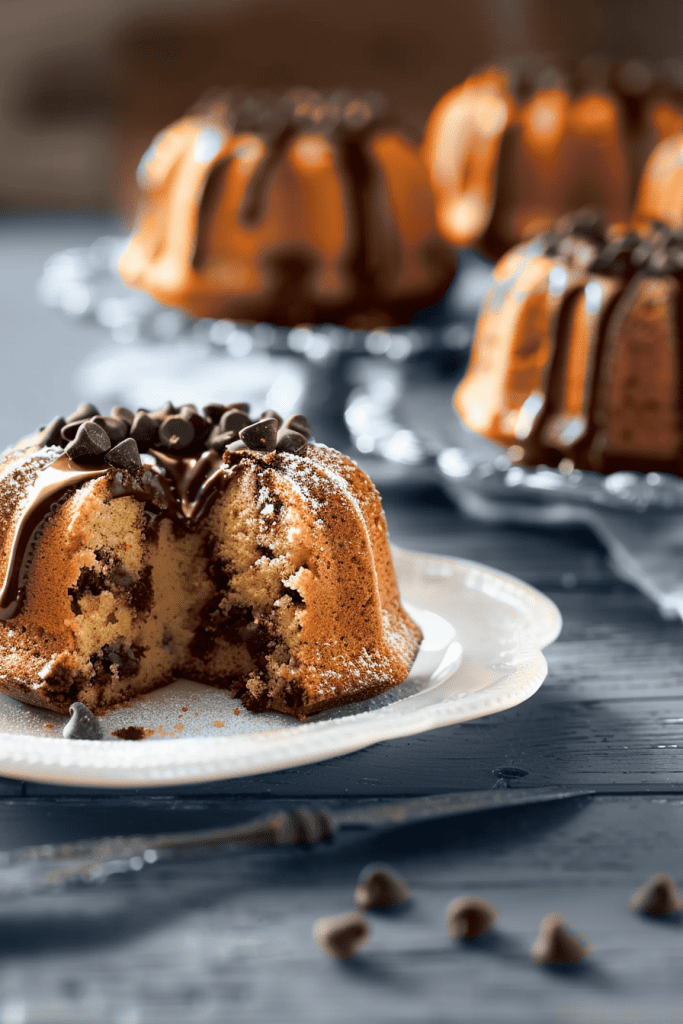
column 236, row 553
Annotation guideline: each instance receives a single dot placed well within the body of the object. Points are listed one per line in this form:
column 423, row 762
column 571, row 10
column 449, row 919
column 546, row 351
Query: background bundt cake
column 239, row 554
column 292, row 209
column 660, row 193
column 578, row 352
column 515, row 147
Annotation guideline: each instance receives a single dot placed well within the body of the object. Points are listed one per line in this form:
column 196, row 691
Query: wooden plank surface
column 232, row 935
column 230, row 938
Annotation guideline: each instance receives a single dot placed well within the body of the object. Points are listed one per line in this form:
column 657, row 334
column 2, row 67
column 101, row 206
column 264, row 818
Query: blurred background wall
column 84, row 84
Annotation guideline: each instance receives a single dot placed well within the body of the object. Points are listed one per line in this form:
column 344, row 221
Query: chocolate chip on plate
column 82, row 724
column 90, row 441
column 125, row 455
column 260, row 436
column 343, row 935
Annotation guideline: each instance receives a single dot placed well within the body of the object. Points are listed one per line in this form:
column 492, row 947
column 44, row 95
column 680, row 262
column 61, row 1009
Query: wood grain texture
column 230, row 938
column 196, row 941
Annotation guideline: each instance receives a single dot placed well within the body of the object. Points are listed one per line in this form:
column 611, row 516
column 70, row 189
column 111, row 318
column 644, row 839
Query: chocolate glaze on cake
column 237, row 553
column 299, row 208
column 578, row 353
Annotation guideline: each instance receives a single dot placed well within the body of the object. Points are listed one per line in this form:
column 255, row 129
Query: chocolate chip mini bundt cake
column 578, row 353
column 301, row 208
column 518, row 145
column 135, row 548
column 660, row 192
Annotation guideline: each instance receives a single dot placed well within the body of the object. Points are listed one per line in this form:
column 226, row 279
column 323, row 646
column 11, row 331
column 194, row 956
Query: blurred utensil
column 36, row 868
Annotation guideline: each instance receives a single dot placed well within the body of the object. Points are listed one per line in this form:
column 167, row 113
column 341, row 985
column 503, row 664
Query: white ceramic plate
column 484, row 632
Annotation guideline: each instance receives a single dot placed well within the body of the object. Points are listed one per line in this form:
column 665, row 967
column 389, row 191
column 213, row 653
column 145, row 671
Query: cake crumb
column 49, row 725
column 236, row 712
column 133, row 732
column 219, row 724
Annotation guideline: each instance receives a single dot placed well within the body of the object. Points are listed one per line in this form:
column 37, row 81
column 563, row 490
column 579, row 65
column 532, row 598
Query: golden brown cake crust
column 578, row 352
column 517, row 145
column 275, row 582
column 300, row 208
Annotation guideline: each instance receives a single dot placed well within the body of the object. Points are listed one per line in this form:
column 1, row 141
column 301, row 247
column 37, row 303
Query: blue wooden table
column 230, row 938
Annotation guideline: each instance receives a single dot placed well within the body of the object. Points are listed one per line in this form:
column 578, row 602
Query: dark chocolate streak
column 210, row 201
column 253, row 204
column 191, row 485
column 46, row 491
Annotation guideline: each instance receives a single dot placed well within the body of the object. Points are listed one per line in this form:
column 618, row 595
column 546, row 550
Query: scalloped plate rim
column 204, row 759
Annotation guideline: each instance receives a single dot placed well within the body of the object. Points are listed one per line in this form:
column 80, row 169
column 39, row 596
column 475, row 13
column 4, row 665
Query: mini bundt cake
column 578, row 352
column 295, row 209
column 660, row 193
column 139, row 547
column 513, row 148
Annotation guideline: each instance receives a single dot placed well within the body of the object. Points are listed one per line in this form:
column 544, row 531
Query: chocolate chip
column 176, row 433
column 291, row 441
column 69, row 430
column 121, row 413
column 125, row 455
column 240, row 406
column 659, row 897
column 233, row 419
column 52, row 433
column 116, row 429
column 260, row 436
column 144, row 430
column 219, row 439
column 188, row 409
column 557, row 944
column 299, row 423
column 167, row 409
column 380, row 886
column 82, row 724
column 238, row 446
column 201, row 427
column 213, row 411
column 84, row 412
column 341, row 936
column 90, row 441
column 470, row 917
column 271, row 414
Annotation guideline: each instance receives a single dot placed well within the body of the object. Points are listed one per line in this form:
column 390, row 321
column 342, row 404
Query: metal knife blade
column 36, row 868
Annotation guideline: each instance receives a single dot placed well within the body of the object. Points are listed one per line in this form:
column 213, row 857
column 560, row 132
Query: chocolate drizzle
column 49, row 488
column 179, row 483
column 348, row 120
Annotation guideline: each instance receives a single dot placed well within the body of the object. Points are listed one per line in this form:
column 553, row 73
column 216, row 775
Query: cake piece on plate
column 137, row 547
